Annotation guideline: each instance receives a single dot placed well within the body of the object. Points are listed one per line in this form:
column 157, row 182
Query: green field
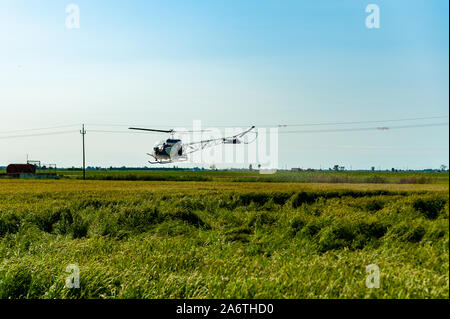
column 226, row 236
column 376, row 177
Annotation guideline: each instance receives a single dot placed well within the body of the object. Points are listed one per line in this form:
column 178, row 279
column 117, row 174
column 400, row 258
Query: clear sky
column 226, row 63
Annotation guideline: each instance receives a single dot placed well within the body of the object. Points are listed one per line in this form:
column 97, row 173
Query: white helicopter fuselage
column 167, row 151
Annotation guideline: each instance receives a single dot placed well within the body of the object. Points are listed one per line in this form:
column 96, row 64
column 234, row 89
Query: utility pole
column 83, row 132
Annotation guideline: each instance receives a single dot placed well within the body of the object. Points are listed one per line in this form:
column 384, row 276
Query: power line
column 39, row 129
column 365, row 122
column 273, row 125
column 288, row 125
column 38, row 134
column 378, row 128
column 279, row 126
column 383, row 128
column 126, row 132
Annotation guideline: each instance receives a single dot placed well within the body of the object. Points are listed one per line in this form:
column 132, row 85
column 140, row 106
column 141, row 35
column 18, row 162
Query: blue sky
column 227, row 63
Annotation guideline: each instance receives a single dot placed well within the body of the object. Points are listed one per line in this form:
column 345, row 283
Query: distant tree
column 336, row 167
column 443, row 167
column 250, row 167
column 259, row 166
column 372, row 168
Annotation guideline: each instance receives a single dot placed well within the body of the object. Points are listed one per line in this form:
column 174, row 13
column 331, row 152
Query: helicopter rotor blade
column 150, row 130
column 167, row 131
column 190, row 131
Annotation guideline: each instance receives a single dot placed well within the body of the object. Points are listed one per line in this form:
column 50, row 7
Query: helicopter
column 172, row 150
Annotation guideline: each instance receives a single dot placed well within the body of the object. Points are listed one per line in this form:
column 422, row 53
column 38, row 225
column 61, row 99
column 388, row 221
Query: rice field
column 223, row 238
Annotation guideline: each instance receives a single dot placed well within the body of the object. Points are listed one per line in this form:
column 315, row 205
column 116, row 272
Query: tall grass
column 252, row 241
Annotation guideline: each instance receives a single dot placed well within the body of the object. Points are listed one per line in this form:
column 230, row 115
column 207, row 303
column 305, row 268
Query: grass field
column 376, row 177
column 224, row 238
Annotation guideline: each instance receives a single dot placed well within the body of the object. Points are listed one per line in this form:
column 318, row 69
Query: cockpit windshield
column 159, row 144
column 165, row 147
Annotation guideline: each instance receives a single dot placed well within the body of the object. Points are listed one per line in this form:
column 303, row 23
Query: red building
column 17, row 169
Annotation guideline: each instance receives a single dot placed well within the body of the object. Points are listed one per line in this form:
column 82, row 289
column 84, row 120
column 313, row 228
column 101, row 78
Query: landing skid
column 160, row 162
column 156, row 160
